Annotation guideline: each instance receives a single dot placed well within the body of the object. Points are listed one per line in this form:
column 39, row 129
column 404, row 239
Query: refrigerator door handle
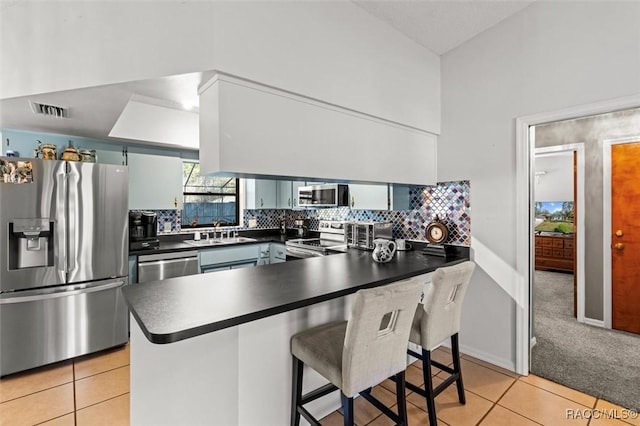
column 72, row 188
column 31, row 296
column 61, row 225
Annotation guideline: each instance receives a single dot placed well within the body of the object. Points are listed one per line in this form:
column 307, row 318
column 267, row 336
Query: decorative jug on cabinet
column 383, row 250
column 70, row 154
column 45, row 151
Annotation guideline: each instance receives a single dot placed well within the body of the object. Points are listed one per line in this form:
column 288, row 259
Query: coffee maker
column 303, row 227
column 143, row 234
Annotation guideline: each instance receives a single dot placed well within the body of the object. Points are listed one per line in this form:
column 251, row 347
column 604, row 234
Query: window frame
column 236, row 194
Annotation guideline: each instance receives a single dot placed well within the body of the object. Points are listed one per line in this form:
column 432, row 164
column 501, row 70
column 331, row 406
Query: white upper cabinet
column 261, row 194
column 294, row 190
column 155, row 181
column 338, row 144
column 284, row 194
column 368, row 197
column 400, row 197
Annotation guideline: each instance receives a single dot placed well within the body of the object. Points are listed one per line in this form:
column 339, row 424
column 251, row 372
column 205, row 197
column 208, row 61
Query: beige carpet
column 599, row 362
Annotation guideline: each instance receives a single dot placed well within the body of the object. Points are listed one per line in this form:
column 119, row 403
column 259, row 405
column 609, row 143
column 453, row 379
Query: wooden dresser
column 555, row 252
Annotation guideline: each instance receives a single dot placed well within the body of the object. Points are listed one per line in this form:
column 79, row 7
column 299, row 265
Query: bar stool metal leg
column 400, row 395
column 298, row 367
column 455, row 352
column 347, row 409
column 428, row 387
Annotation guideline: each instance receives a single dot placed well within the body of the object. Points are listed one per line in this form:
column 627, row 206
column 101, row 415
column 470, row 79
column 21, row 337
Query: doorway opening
column 594, row 360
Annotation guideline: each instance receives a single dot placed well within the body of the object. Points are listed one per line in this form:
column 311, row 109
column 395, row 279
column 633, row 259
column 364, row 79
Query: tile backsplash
column 172, row 217
column 449, row 200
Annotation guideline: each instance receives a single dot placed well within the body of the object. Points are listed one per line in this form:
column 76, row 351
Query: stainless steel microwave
column 327, row 195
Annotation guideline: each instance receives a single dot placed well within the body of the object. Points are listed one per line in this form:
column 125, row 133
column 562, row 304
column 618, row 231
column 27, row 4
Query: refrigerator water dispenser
column 30, row 243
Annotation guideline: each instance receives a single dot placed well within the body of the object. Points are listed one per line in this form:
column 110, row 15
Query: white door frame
column 524, row 208
column 606, row 223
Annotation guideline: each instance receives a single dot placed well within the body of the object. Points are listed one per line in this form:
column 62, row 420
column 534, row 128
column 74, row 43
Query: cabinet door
column 399, row 196
column 155, row 181
column 260, row 194
column 294, row 192
column 284, row 194
column 369, row 197
column 265, row 194
column 133, row 269
column 278, row 253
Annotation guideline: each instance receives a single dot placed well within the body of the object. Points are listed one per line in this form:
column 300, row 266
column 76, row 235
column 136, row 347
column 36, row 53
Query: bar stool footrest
column 318, row 393
column 380, row 406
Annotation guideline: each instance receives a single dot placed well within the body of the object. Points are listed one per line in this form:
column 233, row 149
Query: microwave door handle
column 60, row 231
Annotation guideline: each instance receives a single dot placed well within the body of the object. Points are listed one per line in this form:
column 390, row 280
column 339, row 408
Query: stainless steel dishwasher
column 154, row 267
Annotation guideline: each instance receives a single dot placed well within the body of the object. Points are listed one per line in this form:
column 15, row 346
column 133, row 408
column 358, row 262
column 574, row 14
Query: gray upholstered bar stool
column 358, row 354
column 436, row 320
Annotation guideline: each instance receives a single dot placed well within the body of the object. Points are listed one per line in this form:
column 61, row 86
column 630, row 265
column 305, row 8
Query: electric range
column 331, row 241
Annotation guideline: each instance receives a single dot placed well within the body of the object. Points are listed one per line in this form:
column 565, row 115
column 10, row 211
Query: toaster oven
column 361, row 234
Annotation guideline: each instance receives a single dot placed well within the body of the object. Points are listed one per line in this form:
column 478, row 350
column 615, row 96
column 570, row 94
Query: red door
column 625, row 236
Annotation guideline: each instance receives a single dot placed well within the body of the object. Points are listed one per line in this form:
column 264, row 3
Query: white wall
column 551, row 55
column 48, row 46
column 332, row 51
column 554, row 177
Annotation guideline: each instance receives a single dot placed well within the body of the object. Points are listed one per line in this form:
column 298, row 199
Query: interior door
column 625, row 237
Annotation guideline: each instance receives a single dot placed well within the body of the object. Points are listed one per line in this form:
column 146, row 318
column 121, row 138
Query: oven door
column 295, row 253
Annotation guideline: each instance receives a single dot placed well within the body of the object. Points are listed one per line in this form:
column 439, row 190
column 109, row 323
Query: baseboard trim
column 486, row 357
column 593, row 322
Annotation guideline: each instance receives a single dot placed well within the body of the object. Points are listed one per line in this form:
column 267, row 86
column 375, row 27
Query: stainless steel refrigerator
column 63, row 260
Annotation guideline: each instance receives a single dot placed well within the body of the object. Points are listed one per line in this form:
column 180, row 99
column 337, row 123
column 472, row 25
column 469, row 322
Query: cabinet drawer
column 568, row 254
column 547, row 242
column 227, row 255
column 557, row 252
column 568, row 243
column 538, row 241
column 547, row 252
column 538, row 251
column 557, row 242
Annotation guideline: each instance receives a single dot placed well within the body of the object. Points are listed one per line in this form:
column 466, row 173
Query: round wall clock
column 437, row 231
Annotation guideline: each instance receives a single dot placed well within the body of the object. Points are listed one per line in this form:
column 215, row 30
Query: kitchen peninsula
column 214, row 348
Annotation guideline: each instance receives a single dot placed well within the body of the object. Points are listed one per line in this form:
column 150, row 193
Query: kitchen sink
column 218, row 241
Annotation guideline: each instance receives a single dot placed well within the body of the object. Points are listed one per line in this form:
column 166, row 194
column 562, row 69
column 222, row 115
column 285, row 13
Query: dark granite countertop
column 180, row 308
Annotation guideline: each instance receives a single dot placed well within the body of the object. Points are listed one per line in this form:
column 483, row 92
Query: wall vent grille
column 49, row 110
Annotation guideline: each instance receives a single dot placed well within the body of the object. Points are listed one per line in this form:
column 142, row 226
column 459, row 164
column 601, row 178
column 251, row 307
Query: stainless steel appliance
column 327, row 195
column 331, row 241
column 167, row 265
column 302, row 225
column 64, row 232
column 361, row 234
column 143, row 230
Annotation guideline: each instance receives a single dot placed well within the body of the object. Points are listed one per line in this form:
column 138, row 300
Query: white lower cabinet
column 264, row 254
column 133, row 269
column 278, row 253
column 222, row 259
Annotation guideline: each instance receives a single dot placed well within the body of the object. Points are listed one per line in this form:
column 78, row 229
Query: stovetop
column 318, row 244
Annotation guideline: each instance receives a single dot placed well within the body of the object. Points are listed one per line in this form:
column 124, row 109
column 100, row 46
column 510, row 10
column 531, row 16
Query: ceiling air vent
column 49, row 110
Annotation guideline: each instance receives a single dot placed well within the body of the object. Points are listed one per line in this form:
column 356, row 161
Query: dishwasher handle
column 167, row 262
column 168, row 268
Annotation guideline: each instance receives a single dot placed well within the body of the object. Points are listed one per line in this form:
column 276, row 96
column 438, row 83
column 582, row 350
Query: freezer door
column 41, row 200
column 98, row 221
column 38, row 327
